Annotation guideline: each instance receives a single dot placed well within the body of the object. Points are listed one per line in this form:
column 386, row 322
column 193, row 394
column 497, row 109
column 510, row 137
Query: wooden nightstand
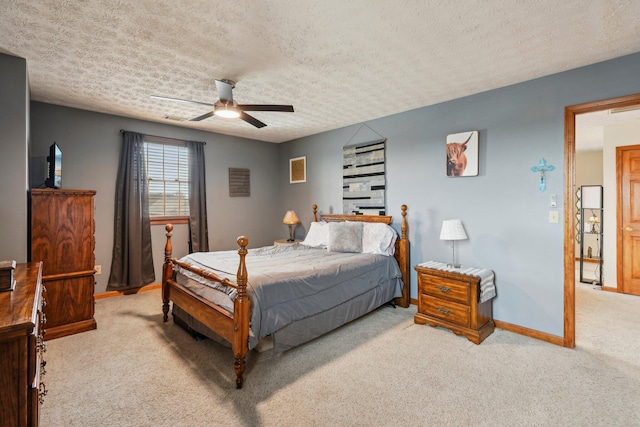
column 451, row 300
column 285, row 242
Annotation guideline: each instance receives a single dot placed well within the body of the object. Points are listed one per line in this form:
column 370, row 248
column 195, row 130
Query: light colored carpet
column 379, row 370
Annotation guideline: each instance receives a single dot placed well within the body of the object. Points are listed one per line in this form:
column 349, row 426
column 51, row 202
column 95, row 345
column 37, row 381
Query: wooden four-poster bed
column 222, row 299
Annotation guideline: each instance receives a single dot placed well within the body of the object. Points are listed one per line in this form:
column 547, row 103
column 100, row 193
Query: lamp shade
column 452, row 229
column 290, row 218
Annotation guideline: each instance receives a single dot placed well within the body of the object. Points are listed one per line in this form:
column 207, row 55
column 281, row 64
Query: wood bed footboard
column 234, row 327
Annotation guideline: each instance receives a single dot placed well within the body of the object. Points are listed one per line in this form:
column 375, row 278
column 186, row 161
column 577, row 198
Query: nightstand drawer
column 459, row 314
column 444, row 288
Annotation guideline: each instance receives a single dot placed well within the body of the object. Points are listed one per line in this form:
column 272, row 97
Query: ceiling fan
column 228, row 108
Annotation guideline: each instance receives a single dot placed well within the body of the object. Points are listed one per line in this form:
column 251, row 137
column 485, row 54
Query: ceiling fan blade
column 202, row 117
column 252, row 120
column 224, row 88
column 166, row 98
column 261, row 107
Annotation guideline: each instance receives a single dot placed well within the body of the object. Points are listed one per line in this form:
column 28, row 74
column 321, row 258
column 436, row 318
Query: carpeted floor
column 379, row 370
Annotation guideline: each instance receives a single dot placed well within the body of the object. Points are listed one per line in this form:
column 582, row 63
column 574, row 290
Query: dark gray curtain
column 132, row 260
column 199, row 237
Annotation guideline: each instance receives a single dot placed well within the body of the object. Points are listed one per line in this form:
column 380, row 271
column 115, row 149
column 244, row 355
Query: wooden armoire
column 62, row 237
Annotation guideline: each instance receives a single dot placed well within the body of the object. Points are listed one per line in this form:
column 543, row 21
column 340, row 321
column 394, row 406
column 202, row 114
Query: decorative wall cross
column 542, row 167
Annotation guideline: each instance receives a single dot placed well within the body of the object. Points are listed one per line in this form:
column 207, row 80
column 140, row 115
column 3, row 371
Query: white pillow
column 378, row 238
column 318, row 235
column 345, row 237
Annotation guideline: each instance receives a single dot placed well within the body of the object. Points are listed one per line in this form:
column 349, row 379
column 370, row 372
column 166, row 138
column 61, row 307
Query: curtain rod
column 164, row 137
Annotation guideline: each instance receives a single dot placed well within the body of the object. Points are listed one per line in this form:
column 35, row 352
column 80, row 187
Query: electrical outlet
column 98, row 269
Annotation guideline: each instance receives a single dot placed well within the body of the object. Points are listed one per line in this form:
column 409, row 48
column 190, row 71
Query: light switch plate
column 553, row 217
column 554, row 201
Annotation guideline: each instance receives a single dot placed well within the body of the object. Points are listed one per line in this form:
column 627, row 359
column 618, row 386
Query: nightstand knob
column 443, row 289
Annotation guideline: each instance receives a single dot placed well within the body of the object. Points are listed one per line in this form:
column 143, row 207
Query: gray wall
column 504, row 213
column 91, row 142
column 14, row 128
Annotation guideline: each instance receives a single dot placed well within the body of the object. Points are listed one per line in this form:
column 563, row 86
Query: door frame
column 570, row 113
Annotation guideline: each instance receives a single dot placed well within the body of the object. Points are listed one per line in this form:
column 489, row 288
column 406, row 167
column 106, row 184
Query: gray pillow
column 345, row 237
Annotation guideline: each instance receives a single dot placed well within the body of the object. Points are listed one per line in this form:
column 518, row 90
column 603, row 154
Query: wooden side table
column 451, row 300
column 285, row 242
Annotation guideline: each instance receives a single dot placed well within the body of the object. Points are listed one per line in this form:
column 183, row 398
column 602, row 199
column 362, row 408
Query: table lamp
column 291, row 219
column 453, row 230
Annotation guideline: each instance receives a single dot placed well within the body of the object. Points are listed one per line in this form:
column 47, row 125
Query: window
column 168, row 174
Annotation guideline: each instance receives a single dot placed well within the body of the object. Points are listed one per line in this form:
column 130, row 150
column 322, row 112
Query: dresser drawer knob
column 443, row 289
column 444, row 311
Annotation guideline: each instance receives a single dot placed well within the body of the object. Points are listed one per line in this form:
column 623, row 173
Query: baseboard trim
column 531, row 333
column 111, row 294
column 521, row 330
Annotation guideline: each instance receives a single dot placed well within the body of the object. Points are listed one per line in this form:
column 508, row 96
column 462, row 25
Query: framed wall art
column 298, row 170
column 462, row 154
column 239, row 182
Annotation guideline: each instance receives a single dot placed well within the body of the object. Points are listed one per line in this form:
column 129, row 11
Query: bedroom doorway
column 569, row 199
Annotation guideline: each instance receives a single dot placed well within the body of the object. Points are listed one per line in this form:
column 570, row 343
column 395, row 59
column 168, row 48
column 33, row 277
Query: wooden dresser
column 450, row 300
column 22, row 348
column 62, row 237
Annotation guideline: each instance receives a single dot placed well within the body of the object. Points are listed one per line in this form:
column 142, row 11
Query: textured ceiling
column 338, row 62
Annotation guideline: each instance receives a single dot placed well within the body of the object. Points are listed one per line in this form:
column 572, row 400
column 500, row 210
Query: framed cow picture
column 462, row 154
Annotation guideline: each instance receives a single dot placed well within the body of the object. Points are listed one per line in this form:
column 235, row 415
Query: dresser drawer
column 444, row 288
column 459, row 314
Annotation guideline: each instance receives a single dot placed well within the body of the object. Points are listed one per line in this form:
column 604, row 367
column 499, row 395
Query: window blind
column 168, row 175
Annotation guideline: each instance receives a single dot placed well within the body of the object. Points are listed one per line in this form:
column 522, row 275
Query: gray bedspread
column 287, row 283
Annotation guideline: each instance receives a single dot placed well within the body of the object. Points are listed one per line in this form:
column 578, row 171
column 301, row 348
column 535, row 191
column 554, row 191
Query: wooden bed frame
column 234, row 327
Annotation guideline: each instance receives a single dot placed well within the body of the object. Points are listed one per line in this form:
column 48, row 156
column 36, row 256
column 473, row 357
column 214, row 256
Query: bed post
column 315, row 213
column 167, row 273
column 404, row 260
column 241, row 315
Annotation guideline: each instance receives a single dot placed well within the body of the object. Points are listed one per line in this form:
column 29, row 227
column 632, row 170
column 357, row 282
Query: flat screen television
column 54, row 170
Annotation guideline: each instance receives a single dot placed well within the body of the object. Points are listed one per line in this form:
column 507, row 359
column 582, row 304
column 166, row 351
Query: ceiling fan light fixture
column 226, row 110
column 227, row 113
